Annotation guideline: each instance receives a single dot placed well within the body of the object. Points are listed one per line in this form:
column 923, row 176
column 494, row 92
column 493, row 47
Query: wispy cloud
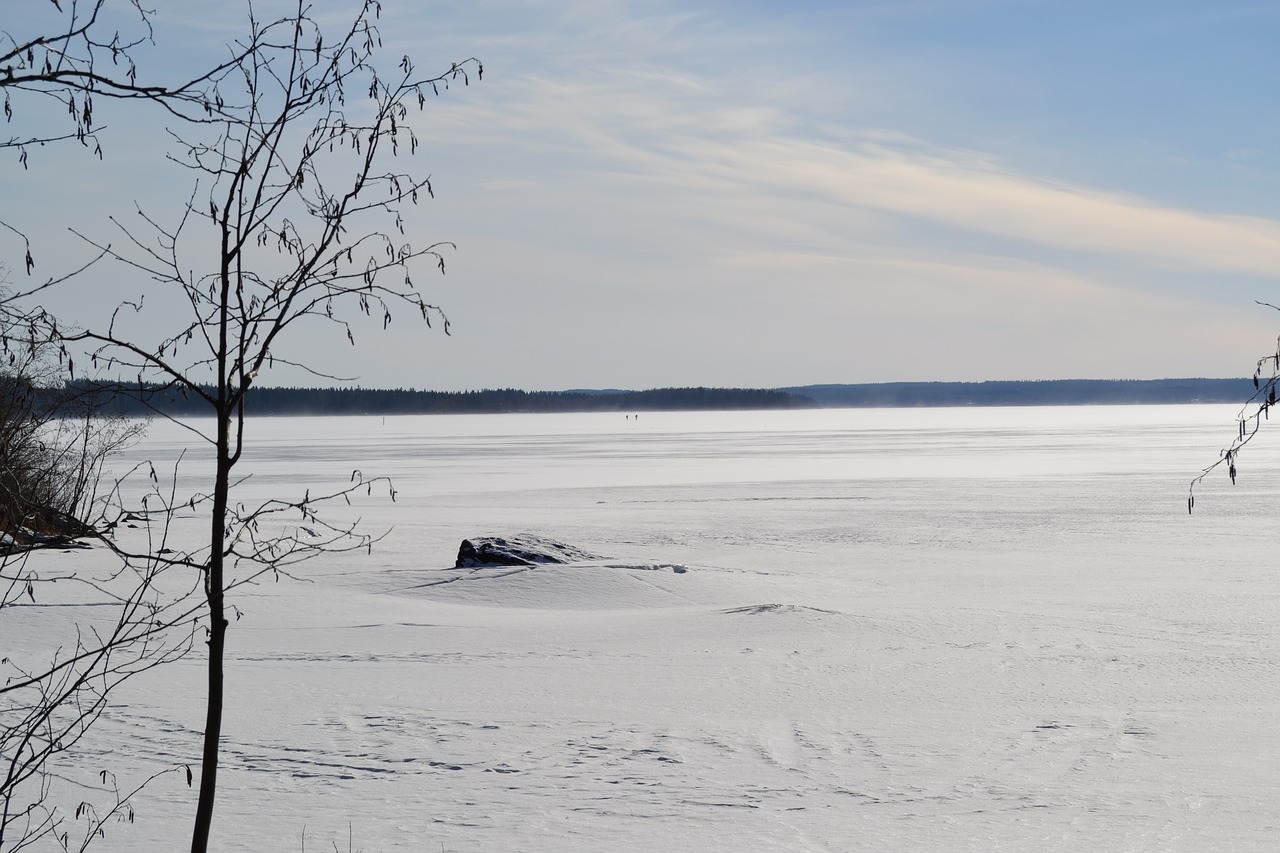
column 703, row 145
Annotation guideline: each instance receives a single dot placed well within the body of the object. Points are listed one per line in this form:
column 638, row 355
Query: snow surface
column 874, row 630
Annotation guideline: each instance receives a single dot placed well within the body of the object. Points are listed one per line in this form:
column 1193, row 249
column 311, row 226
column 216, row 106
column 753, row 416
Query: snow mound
column 560, row 586
column 651, row 567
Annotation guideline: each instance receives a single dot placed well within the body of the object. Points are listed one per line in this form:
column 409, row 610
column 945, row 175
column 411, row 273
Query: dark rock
column 521, row 550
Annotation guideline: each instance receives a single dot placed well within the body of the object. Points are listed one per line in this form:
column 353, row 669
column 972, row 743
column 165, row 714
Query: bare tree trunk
column 215, row 594
column 213, row 716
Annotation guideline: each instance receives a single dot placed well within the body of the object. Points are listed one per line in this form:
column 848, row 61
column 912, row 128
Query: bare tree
column 53, row 443
column 1249, row 421
column 68, row 54
column 295, row 221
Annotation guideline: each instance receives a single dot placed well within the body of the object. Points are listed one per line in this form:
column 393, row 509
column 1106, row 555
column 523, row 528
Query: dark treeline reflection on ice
column 881, row 630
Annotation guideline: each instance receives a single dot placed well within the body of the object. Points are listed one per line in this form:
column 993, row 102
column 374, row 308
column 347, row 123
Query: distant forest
column 401, row 401
column 1056, row 392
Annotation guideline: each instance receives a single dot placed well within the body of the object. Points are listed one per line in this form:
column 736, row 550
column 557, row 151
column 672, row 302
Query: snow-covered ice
column 874, row 630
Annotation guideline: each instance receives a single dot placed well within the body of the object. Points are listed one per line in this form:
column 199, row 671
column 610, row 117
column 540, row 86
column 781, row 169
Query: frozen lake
column 950, row 629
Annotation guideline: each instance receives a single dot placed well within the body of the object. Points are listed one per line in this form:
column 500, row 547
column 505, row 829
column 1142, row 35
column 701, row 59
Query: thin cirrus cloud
column 961, row 191
column 667, row 130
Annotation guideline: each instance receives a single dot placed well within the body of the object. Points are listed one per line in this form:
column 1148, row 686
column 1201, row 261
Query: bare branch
column 1256, row 410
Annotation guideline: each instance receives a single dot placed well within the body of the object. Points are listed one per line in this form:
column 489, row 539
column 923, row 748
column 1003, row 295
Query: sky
column 650, row 194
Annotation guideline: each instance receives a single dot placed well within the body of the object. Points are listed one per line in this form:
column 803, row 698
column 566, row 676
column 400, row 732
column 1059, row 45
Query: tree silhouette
column 295, row 219
column 67, row 53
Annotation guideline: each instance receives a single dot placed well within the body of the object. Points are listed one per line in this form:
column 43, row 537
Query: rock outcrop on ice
column 523, row 550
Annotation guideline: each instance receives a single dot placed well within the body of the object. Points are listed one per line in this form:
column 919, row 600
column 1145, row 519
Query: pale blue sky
column 676, row 193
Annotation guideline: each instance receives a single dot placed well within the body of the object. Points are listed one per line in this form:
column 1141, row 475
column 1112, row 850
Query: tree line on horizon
column 347, row 400
column 406, row 401
column 1040, row 392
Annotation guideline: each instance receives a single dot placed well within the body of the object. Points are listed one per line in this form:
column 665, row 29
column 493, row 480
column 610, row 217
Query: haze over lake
column 878, row 630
